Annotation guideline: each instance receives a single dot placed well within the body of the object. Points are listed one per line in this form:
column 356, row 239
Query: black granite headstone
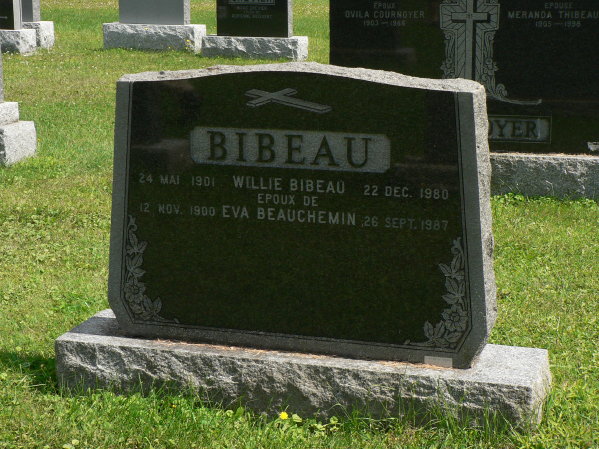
column 308, row 209
column 10, row 15
column 539, row 60
column 255, row 18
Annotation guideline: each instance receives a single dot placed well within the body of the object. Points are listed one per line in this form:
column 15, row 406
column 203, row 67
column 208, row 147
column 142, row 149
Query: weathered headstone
column 255, row 29
column 307, row 208
column 538, row 61
column 264, row 18
column 154, row 25
column 17, row 138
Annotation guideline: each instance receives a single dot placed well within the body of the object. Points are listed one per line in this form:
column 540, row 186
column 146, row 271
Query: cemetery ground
column 54, row 232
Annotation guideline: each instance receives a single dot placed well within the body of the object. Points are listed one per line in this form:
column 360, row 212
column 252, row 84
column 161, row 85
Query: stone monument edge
column 475, row 166
column 18, row 14
column 380, row 76
column 119, row 185
column 290, row 18
column 1, row 78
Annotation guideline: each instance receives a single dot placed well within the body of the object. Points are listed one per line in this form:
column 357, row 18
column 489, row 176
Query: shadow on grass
column 40, row 371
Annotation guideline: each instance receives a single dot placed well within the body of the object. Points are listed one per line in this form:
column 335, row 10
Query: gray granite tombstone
column 156, row 12
column 31, row 10
column 10, row 15
column 44, row 29
column 154, row 25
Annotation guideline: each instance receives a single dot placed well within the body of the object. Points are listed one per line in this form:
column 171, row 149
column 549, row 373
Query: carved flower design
column 455, row 318
column 134, row 290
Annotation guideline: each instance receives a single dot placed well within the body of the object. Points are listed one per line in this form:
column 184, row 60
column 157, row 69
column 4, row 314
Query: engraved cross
column 284, row 97
column 471, row 19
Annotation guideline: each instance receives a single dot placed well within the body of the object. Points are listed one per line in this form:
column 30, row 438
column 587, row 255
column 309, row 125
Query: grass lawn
column 54, row 231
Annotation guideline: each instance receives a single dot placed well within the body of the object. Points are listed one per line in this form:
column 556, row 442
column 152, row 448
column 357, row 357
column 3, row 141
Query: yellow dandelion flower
column 283, row 415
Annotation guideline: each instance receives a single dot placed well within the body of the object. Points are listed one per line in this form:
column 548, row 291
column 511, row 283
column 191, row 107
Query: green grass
column 54, row 226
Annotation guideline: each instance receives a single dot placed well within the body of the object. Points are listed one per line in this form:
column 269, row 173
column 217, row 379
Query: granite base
column 291, row 48
column 560, row 175
column 511, row 381
column 18, row 141
column 21, row 41
column 153, row 37
column 9, row 112
column 44, row 33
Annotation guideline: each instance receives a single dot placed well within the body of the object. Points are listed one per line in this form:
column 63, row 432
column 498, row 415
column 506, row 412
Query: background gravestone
column 14, row 38
column 154, row 25
column 273, row 18
column 156, row 12
column 258, row 206
column 538, row 61
column 17, row 138
column 260, row 29
column 31, row 15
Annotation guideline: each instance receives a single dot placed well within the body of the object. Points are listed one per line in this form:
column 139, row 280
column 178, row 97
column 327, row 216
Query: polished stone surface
column 507, row 380
column 275, row 206
column 44, row 33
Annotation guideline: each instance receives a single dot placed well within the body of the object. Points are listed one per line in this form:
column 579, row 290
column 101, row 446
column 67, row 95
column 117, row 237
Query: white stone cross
column 283, row 97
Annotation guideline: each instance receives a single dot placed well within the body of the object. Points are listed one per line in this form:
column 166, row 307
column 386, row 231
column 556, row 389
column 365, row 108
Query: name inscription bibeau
column 290, row 148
